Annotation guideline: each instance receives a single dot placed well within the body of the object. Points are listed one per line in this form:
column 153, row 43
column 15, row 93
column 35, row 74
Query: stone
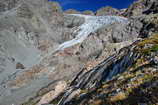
column 20, row 66
column 59, row 88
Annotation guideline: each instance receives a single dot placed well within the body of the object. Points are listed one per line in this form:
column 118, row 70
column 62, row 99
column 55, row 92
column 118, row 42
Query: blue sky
column 93, row 5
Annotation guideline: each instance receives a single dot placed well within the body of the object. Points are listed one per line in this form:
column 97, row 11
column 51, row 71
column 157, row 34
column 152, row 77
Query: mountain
column 51, row 56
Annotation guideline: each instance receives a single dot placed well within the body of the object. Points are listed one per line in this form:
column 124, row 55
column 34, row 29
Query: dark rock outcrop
column 142, row 7
column 149, row 25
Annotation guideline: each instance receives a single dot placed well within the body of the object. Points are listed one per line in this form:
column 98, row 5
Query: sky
column 93, row 5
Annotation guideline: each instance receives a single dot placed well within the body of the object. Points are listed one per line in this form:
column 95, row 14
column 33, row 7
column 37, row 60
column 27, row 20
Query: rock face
column 107, row 56
column 73, row 21
column 8, row 4
column 127, row 32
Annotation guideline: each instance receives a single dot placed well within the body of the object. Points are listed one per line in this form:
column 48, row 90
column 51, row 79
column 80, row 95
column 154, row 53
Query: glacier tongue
column 92, row 24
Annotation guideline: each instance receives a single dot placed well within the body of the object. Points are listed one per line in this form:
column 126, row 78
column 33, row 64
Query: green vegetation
column 148, row 45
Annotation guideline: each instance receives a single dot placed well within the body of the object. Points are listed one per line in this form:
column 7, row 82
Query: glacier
column 91, row 24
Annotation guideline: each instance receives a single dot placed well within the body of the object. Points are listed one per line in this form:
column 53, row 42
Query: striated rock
column 99, row 83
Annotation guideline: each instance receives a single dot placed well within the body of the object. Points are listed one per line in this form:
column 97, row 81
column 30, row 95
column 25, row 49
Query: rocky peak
column 72, row 11
column 55, row 6
column 142, row 7
column 107, row 11
column 88, row 12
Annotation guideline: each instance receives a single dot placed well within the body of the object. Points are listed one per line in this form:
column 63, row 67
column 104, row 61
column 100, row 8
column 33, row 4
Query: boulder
column 48, row 97
column 20, row 66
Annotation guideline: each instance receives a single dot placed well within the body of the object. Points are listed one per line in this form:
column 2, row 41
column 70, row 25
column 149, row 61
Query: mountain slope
column 42, row 49
column 28, row 36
